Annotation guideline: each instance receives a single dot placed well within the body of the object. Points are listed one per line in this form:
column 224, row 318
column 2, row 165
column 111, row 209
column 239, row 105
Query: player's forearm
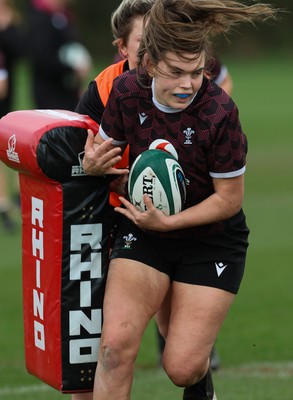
column 211, row 210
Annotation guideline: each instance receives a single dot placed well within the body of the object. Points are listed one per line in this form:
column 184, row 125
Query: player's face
column 177, row 80
column 130, row 48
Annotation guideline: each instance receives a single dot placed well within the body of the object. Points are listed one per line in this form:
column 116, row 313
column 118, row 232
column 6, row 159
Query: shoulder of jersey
column 112, row 71
column 104, row 81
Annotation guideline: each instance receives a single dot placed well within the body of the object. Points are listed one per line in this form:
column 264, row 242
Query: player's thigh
column 134, row 292
column 197, row 313
column 163, row 314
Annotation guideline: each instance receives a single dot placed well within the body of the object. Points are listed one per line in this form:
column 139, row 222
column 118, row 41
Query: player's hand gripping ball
column 158, row 174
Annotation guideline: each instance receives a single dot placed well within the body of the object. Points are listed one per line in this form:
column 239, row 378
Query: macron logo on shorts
column 220, row 267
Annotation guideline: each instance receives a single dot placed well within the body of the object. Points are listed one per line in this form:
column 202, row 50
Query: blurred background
column 90, row 22
column 94, row 22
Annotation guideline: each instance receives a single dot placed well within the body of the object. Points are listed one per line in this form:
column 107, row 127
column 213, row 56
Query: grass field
column 255, row 343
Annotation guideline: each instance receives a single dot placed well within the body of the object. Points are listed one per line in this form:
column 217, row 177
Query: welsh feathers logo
column 188, row 135
column 11, row 153
column 128, row 240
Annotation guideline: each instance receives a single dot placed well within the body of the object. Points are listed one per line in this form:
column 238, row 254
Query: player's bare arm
column 223, row 204
column 100, row 156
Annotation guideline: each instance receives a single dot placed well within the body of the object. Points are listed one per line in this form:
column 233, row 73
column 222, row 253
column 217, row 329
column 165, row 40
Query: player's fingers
column 89, row 144
column 148, row 202
column 118, row 171
column 110, row 155
column 127, row 204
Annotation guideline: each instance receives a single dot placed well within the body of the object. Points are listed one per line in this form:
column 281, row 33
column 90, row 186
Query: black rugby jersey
column 207, row 134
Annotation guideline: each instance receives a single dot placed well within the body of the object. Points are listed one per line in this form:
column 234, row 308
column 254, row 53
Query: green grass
column 255, row 342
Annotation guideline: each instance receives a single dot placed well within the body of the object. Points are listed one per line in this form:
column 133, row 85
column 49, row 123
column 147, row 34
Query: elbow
column 234, row 208
column 237, row 209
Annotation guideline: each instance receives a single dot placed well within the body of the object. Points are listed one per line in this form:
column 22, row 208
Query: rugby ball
column 162, row 144
column 159, row 175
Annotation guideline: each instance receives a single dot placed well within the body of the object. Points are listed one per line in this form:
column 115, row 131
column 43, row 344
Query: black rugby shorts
column 216, row 260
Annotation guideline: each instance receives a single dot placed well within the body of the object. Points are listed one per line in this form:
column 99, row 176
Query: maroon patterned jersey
column 207, row 134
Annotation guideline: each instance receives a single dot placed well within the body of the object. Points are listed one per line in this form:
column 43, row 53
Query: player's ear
column 122, row 48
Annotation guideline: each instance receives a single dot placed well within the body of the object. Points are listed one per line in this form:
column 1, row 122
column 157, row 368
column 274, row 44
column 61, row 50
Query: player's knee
column 109, row 356
column 117, row 348
column 184, row 373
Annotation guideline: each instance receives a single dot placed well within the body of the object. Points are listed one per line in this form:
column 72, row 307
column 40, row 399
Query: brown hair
column 187, row 26
column 122, row 18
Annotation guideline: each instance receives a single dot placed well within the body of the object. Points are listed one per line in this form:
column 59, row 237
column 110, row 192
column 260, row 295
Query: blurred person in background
column 12, row 45
column 5, row 201
column 11, row 50
column 5, row 204
column 3, row 77
column 219, row 73
column 60, row 62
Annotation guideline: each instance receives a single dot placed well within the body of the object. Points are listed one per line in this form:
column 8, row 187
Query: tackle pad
column 64, row 244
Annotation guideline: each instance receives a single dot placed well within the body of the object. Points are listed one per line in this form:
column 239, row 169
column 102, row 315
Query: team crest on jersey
column 128, row 240
column 188, row 135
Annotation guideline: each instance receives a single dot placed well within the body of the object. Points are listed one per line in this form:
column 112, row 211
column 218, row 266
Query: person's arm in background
column 221, row 76
column 3, row 78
